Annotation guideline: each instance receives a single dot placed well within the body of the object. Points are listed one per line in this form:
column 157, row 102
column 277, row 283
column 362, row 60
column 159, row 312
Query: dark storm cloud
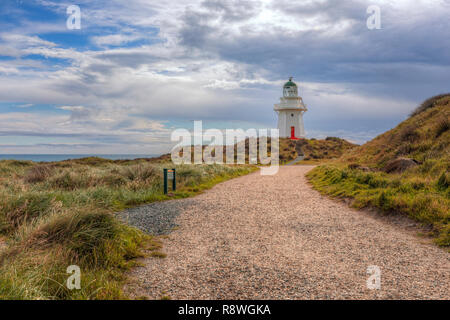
column 401, row 52
column 233, row 10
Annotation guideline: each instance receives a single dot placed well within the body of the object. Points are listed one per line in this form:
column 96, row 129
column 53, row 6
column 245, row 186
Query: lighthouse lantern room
column 290, row 112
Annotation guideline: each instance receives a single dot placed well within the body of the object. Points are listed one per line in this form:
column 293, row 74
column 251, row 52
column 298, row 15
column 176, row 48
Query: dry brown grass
column 431, row 102
column 329, row 148
column 58, row 214
column 39, row 173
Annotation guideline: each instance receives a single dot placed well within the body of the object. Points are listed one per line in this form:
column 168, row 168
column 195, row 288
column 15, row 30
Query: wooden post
column 165, row 182
column 174, row 180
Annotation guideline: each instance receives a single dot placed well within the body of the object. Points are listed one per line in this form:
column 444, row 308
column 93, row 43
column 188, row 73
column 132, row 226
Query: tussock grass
column 313, row 150
column 430, row 103
column 59, row 214
column 329, row 148
column 38, row 173
column 421, row 191
column 442, row 126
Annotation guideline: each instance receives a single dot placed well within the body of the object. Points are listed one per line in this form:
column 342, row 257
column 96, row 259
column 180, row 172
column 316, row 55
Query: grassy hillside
column 59, row 214
column 405, row 170
column 314, row 149
column 329, row 148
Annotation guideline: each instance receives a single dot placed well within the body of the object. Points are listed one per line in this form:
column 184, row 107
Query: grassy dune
column 325, row 149
column 314, row 150
column 405, row 170
column 59, row 214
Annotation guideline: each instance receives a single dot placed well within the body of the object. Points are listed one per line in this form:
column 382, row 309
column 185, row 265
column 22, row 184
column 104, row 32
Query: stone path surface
column 295, row 161
column 274, row 237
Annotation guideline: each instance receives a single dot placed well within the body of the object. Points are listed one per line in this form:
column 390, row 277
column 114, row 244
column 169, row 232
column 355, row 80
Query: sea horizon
column 61, row 157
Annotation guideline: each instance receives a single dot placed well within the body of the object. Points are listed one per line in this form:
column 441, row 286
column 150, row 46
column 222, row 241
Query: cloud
column 137, row 66
column 115, row 39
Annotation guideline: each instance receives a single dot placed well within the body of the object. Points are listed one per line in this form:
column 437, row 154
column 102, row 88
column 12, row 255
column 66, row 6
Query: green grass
column 60, row 214
column 421, row 192
column 420, row 197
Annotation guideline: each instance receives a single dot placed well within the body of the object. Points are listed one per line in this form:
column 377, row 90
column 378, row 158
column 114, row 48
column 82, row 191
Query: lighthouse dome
column 290, row 89
column 290, row 83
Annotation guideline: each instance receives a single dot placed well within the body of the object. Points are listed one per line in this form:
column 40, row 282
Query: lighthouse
column 290, row 112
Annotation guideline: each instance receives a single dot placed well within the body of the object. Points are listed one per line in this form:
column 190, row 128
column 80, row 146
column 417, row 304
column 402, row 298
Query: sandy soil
column 274, row 237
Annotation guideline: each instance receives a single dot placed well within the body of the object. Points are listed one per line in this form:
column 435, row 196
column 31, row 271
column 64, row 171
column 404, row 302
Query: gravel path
column 295, row 161
column 157, row 218
column 274, row 237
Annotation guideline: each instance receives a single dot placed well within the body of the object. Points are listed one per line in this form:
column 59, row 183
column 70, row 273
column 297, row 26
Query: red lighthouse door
column 292, row 132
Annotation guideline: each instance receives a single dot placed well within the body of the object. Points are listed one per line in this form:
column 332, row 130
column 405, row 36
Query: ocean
column 60, row 157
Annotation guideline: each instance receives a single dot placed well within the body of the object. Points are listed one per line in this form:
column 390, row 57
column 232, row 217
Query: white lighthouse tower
column 290, row 112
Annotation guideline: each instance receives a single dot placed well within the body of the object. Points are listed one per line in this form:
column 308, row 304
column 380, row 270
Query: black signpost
column 169, row 174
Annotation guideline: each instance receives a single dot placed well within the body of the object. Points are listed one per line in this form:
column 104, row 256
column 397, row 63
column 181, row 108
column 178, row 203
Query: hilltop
column 313, row 150
column 404, row 170
column 325, row 149
column 423, row 137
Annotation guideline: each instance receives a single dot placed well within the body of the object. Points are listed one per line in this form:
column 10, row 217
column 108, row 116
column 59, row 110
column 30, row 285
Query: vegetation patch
column 59, row 214
column 326, row 149
column 313, row 150
column 404, row 170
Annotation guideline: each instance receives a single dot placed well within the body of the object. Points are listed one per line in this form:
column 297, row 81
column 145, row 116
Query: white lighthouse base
column 290, row 124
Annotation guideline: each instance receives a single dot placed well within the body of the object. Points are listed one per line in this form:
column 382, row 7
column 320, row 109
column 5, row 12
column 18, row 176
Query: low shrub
column 443, row 182
column 442, row 126
column 409, row 134
column 429, row 103
column 18, row 210
column 38, row 173
column 141, row 172
column 71, row 181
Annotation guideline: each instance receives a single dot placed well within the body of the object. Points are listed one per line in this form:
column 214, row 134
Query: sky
column 138, row 69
